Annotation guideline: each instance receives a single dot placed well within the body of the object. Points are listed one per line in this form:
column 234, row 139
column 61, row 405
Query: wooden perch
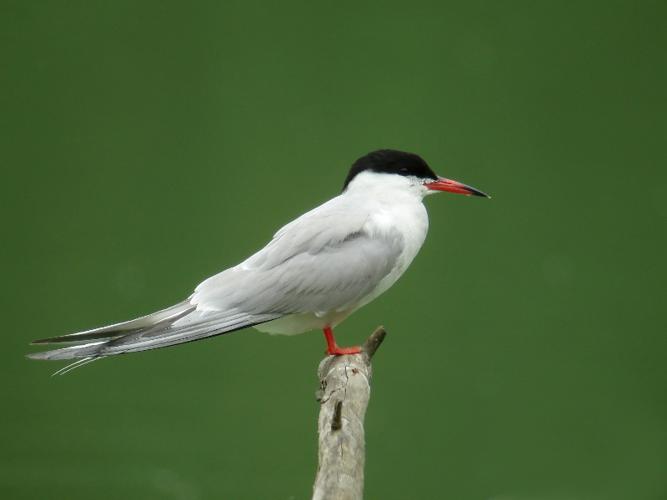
column 343, row 396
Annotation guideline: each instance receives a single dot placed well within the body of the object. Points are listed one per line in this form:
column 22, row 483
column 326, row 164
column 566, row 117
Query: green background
column 147, row 145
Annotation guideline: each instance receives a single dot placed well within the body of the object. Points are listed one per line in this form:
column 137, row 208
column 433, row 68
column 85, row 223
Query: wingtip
column 42, row 355
column 59, row 339
column 36, row 356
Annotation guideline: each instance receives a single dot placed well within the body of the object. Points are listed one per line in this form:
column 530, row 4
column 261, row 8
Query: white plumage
column 314, row 273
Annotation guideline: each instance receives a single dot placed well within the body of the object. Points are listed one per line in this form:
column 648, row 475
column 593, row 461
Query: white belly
column 294, row 324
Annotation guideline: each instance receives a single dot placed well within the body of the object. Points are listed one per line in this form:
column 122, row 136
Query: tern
column 314, row 273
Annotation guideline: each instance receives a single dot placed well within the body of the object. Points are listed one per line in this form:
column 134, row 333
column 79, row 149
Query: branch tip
column 374, row 341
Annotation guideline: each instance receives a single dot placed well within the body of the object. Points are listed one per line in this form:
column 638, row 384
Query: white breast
column 409, row 218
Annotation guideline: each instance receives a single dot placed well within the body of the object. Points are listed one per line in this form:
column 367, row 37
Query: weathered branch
column 343, row 396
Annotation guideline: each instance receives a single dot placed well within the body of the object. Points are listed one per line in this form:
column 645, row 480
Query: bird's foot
column 332, row 347
column 341, row 351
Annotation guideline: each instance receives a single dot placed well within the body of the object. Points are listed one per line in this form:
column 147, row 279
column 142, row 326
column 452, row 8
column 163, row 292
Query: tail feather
column 71, row 352
column 216, row 324
column 73, row 366
column 175, row 325
column 168, row 315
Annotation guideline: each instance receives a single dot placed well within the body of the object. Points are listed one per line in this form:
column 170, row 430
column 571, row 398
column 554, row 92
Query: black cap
column 390, row 161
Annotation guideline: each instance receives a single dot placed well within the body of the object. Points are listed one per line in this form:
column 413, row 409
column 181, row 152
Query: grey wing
column 327, row 260
column 336, row 278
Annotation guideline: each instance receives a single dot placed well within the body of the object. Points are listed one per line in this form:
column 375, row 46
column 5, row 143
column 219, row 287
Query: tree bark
column 343, row 396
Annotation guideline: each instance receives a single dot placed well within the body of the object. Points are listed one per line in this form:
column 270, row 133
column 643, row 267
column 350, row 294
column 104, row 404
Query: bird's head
column 403, row 169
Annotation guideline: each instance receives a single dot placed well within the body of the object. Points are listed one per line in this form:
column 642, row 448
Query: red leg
column 332, row 347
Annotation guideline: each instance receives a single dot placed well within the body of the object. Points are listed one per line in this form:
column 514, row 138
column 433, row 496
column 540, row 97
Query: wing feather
column 328, row 259
column 199, row 327
column 168, row 315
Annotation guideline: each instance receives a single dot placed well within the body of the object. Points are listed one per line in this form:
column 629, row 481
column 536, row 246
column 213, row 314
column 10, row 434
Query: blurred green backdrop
column 147, row 145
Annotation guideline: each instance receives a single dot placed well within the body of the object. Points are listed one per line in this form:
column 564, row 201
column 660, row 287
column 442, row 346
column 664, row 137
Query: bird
column 314, row 273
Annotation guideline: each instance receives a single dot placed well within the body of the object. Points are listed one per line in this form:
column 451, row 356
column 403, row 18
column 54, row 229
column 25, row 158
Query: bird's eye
column 403, row 170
